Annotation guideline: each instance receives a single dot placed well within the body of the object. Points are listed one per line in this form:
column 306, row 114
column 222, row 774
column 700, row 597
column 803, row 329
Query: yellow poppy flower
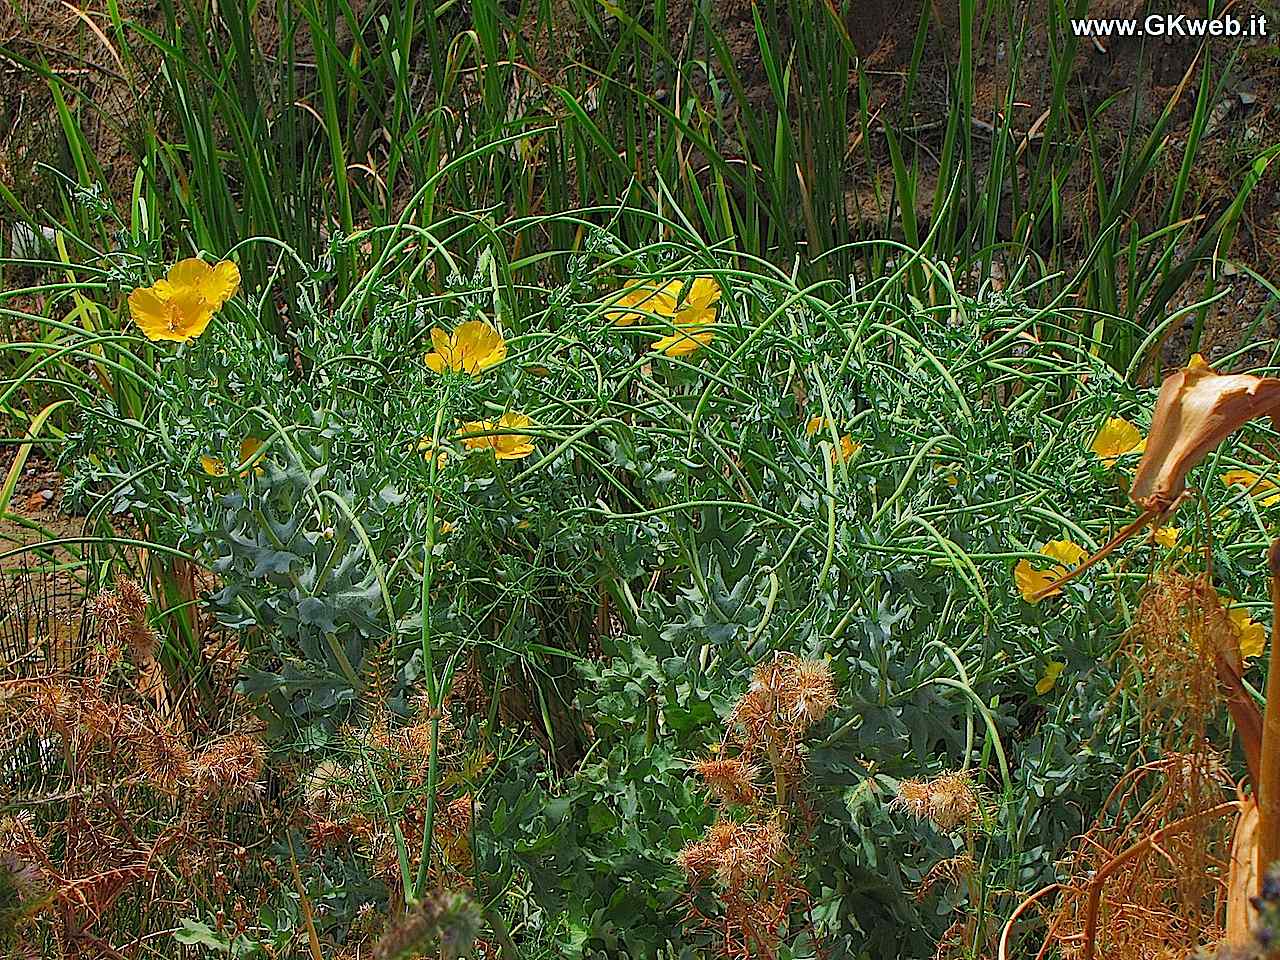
column 215, row 284
column 848, row 450
column 248, row 447
column 1167, row 537
column 1253, row 635
column 472, row 348
column 1052, row 671
column 179, row 307
column 700, row 304
column 686, row 340
column 1266, row 492
column 213, row 466
column 815, row 424
column 1030, row 580
column 505, row 446
column 1117, row 438
column 645, row 299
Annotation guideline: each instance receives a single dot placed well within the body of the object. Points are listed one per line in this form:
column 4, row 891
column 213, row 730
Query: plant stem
column 1269, row 774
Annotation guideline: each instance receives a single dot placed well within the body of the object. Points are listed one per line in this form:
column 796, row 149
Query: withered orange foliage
column 1196, row 410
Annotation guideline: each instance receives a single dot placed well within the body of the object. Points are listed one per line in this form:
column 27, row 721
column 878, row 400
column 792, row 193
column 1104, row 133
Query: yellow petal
column 213, row 466
column 149, row 311
column 1265, row 491
column 703, row 292
column 248, row 447
column 1167, row 537
column 1052, row 671
column 426, row 445
column 1031, row 581
column 505, row 446
column 645, row 299
column 1246, row 477
column 683, row 342
column 479, row 346
column 214, row 285
column 1117, row 438
column 168, row 312
column 1066, row 551
column 192, row 273
column 1253, row 635
column 223, row 282
column 848, row 449
column 815, row 424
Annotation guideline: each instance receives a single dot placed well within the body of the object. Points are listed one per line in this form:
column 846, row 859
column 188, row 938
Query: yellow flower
column 179, row 307
column 645, row 299
column 213, row 466
column 1030, row 580
column 248, row 447
column 1117, row 438
column 1258, row 486
column 815, row 424
column 1253, row 635
column 848, row 450
column 1167, row 537
column 472, row 348
column 1052, row 671
column 505, row 446
column 700, row 304
column 684, row 341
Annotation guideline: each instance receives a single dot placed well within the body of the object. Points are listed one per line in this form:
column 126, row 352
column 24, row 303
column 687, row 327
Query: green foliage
column 585, row 617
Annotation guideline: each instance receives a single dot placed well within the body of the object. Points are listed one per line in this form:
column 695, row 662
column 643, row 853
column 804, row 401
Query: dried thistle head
column 722, row 834
column 698, row 859
column 1180, row 629
column 133, row 599
column 447, row 922
column 21, row 897
column 953, row 801
column 109, row 615
column 736, row 868
column 913, row 797
column 164, row 760
column 454, row 818
column 953, row 870
column 809, row 693
column 949, row 800
column 767, row 841
column 773, row 675
column 731, row 780
column 230, row 768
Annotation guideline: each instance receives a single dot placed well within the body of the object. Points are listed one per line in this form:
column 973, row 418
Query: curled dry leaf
column 1196, row 410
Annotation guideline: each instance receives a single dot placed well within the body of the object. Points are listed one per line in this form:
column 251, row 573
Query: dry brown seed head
column 132, row 598
column 810, row 693
column 732, row 781
column 953, row 801
column 164, row 759
column 913, row 797
column 698, row 859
